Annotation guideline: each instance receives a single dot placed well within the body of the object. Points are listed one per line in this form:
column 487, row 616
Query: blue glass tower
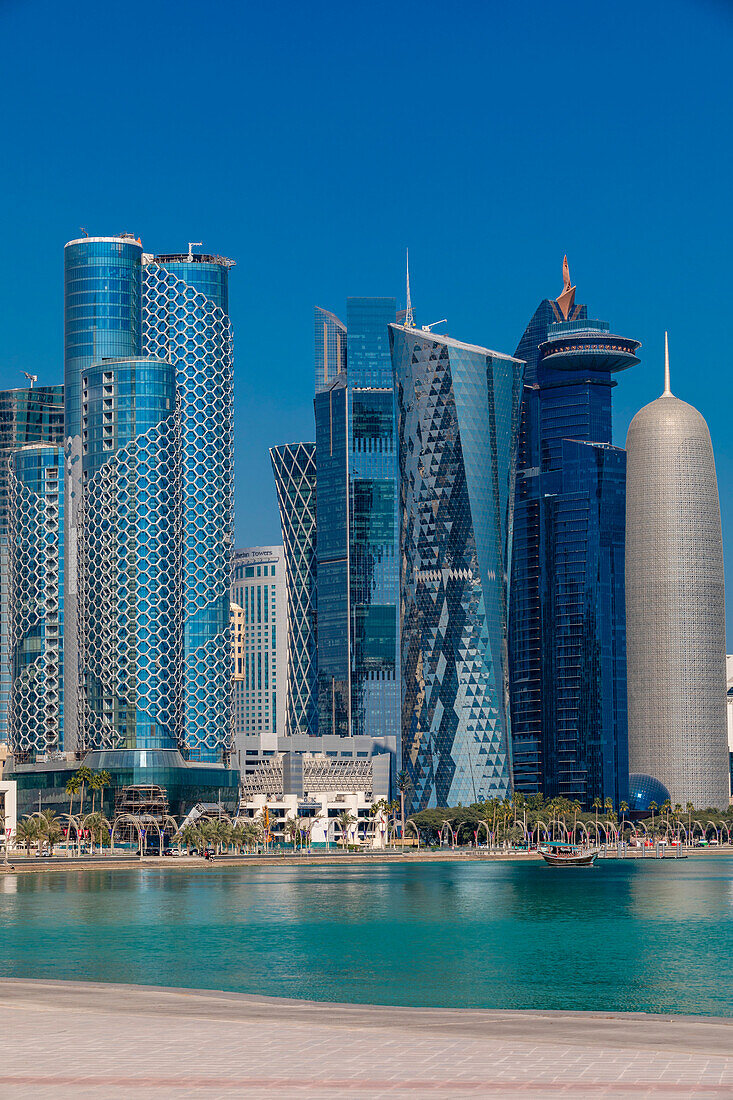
column 458, row 421
column 129, row 556
column 186, row 320
column 567, row 618
column 294, row 466
column 357, row 529
column 102, row 319
column 36, row 612
column 26, row 416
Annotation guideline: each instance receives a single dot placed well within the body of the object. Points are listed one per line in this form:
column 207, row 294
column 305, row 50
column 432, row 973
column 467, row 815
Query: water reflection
column 624, row 935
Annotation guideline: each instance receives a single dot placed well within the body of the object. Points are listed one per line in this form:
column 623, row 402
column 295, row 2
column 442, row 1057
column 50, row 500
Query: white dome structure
column 675, row 604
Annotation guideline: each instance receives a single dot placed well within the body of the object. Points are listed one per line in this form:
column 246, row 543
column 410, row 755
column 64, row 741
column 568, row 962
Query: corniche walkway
column 90, row 1040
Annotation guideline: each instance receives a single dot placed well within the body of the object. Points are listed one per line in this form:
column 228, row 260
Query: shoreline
column 25, row 865
column 32, row 865
column 216, row 1043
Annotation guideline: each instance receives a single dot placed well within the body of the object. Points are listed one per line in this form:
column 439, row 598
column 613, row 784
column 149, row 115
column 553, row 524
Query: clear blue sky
column 312, row 142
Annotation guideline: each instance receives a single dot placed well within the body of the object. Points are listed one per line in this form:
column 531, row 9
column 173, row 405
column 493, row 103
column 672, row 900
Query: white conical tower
column 675, row 604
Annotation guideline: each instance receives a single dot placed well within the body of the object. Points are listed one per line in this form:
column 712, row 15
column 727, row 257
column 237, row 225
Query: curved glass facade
column 129, row 556
column 643, row 790
column 458, row 419
column 185, row 321
column 36, row 566
column 102, row 319
column 294, row 467
column 567, row 635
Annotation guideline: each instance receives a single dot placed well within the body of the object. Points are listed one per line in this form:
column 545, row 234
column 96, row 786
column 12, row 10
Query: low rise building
column 316, row 791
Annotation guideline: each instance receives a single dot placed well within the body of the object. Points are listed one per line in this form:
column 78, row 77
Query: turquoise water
column 654, row 936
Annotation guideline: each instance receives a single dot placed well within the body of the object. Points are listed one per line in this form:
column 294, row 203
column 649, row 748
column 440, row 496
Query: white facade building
column 259, row 689
column 315, row 790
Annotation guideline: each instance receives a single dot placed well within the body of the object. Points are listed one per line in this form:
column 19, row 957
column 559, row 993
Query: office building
column 675, row 604
column 102, row 320
column 186, row 320
column 36, row 610
column 32, row 415
column 147, row 510
column 260, row 689
column 330, row 344
column 567, row 640
column 294, row 467
column 458, row 424
column 129, row 557
column 356, row 542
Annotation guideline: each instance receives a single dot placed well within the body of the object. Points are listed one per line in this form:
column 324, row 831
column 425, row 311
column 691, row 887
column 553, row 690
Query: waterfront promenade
column 89, row 1040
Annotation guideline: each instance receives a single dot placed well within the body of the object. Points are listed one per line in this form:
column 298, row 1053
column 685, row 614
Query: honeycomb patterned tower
column 185, row 320
column 294, row 467
column 36, row 500
column 130, row 557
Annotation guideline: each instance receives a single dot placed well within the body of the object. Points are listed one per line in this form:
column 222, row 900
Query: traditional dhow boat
column 558, row 854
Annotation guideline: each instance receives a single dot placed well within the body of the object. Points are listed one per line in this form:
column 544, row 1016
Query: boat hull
column 570, row 859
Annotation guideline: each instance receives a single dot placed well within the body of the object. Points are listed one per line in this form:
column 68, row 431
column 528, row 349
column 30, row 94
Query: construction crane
column 31, row 377
column 430, row 327
column 191, row 246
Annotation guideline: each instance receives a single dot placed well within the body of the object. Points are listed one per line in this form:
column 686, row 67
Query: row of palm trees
column 81, row 780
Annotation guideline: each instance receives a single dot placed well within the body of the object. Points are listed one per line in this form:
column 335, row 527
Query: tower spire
column 667, row 390
column 566, row 300
column 409, row 318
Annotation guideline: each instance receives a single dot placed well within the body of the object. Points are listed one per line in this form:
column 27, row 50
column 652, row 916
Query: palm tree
column 690, row 811
column 345, row 821
column 98, row 782
column 84, row 776
column 403, row 785
column 253, row 832
column 72, row 788
column 27, row 832
column 596, row 807
column 50, row 828
column 653, row 806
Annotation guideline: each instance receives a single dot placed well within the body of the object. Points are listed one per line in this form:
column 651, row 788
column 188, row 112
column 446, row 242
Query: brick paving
column 67, row 1039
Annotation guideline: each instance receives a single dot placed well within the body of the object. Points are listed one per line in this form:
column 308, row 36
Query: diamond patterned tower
column 294, row 466
column 458, row 417
column 185, row 320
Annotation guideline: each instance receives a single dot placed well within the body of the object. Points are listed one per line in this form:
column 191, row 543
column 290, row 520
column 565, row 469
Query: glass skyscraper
column 458, row 421
column 357, row 530
column 129, row 556
column 102, row 319
column 294, row 467
column 186, row 320
column 148, row 514
column 26, row 416
column 36, row 610
column 567, row 638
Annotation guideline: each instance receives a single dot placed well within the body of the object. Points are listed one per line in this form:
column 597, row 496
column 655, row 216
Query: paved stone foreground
column 83, row 1040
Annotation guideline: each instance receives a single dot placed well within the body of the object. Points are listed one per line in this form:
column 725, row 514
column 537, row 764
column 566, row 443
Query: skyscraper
column 294, row 467
column 357, row 552
column 567, row 639
column 675, row 604
column 147, row 510
column 186, row 320
column 36, row 608
column 458, row 422
column 129, row 555
column 102, row 319
column 31, row 415
column 259, row 588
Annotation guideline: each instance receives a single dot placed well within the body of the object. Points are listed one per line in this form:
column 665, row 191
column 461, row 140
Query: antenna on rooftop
column 191, row 246
column 31, row 377
column 409, row 318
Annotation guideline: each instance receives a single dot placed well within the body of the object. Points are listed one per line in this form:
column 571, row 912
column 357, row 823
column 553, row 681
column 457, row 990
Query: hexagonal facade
column 36, row 568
